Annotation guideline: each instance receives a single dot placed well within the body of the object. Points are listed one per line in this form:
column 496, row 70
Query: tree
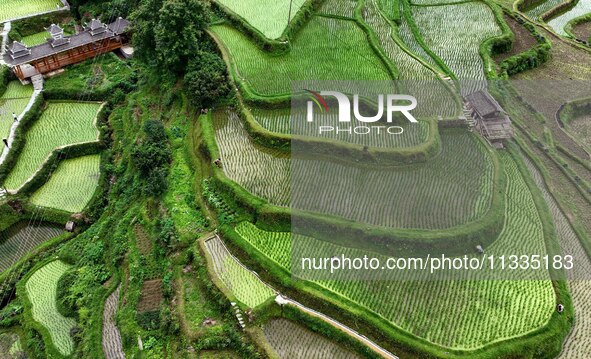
column 206, row 79
column 179, row 30
column 144, row 21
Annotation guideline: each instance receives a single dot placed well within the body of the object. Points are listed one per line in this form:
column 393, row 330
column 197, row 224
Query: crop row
column 41, row 289
column 577, row 343
column 442, row 193
column 60, row 124
column 14, row 100
column 424, row 307
column 455, row 32
column 21, row 240
column 290, row 340
column 325, row 49
column 283, row 121
column 243, row 284
column 11, row 9
column 71, row 186
column 344, row 8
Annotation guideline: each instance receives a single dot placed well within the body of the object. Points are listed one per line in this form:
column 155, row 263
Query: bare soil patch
column 151, row 296
column 144, row 242
column 583, row 31
column 524, row 40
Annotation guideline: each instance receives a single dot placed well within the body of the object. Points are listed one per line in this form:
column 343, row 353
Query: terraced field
column 41, row 289
column 282, row 121
column 457, row 43
column 292, row 341
column 325, row 49
column 580, row 128
column 14, row 100
column 277, row 14
column 438, row 189
column 61, row 124
column 71, row 186
column 112, row 347
column 558, row 23
column 12, row 9
column 423, row 307
column 21, row 239
column 243, row 284
column 344, row 8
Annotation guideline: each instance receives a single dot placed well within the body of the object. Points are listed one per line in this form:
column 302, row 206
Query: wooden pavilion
column 491, row 120
column 59, row 50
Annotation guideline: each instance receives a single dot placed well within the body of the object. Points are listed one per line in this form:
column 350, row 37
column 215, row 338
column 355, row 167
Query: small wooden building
column 59, row 50
column 491, row 120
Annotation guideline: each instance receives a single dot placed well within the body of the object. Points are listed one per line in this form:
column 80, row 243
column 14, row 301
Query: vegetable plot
column 61, row 124
column 41, row 289
column 71, row 186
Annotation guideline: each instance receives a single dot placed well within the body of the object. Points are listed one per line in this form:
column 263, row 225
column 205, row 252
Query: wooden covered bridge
column 59, row 50
column 490, row 119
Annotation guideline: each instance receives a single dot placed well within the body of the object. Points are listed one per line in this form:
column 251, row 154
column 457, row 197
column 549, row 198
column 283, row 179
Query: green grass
column 41, row 289
column 269, row 17
column 243, row 284
column 455, row 32
column 444, row 192
column 325, row 49
column 14, row 100
column 72, row 185
column 98, row 74
column 558, row 23
column 12, row 9
column 37, row 39
column 482, row 311
column 60, row 124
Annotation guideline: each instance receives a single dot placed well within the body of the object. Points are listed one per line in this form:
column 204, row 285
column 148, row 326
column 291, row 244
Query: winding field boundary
column 360, row 337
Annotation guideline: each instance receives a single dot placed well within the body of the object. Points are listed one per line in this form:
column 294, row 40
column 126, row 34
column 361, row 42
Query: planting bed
column 423, row 307
column 21, row 239
column 151, row 296
column 325, row 49
column 14, row 100
column 438, row 189
column 61, row 124
column 583, row 31
column 292, row 341
column 41, row 288
column 112, row 346
column 71, row 186
column 12, row 9
column 243, row 284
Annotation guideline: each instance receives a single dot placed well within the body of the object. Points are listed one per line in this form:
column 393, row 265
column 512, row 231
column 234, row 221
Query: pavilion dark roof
column 484, row 104
column 55, row 46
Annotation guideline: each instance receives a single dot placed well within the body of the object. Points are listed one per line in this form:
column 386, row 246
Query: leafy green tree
column 144, row 21
column 206, row 79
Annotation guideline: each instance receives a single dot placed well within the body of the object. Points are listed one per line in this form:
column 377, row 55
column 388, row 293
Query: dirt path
column 577, row 344
column 112, row 347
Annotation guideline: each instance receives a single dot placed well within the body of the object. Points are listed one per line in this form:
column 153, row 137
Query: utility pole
column 289, row 15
